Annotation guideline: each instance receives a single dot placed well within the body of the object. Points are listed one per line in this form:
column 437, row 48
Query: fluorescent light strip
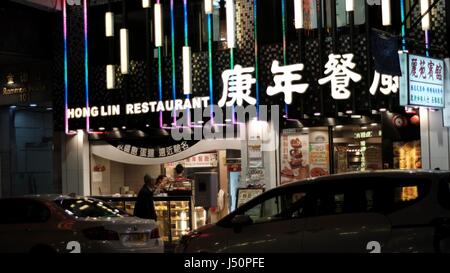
column 146, row 4
column 386, row 12
column 209, row 8
column 187, row 70
column 231, row 31
column 159, row 21
column 66, row 81
column 109, row 24
column 424, row 6
column 187, row 61
column 110, row 76
column 158, row 25
column 298, row 14
column 349, row 5
column 86, row 65
column 124, row 51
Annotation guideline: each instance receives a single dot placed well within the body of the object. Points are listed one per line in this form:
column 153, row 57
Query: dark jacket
column 145, row 207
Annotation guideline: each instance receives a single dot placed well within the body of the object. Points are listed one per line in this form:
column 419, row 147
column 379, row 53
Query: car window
column 444, row 193
column 285, row 205
column 16, row 211
column 379, row 195
column 89, row 208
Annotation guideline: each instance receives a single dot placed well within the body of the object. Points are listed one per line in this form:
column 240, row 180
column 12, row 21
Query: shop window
column 389, row 196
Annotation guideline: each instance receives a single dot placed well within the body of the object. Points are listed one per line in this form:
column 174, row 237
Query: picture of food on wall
column 295, row 161
column 407, row 155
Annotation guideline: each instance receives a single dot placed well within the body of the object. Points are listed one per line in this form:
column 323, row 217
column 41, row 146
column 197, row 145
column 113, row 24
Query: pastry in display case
column 174, row 213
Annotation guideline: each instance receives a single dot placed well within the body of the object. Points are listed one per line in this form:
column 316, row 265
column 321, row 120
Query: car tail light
column 101, row 234
column 154, row 234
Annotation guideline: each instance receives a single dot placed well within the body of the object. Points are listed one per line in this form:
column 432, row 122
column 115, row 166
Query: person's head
column 161, row 180
column 179, row 169
column 149, row 181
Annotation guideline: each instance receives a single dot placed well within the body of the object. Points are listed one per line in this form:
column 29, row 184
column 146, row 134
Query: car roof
column 367, row 174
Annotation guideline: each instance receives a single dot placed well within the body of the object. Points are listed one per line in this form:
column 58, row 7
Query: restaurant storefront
column 325, row 101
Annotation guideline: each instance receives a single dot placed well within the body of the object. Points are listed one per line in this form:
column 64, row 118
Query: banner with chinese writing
column 294, row 157
column 318, row 158
column 206, row 160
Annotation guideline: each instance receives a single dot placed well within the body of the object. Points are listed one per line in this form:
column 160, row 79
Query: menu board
column 245, row 195
column 318, row 158
column 294, row 157
column 407, row 155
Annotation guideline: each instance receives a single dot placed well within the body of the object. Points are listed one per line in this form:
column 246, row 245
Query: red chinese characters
column 414, row 67
column 422, row 72
column 431, row 70
column 438, row 72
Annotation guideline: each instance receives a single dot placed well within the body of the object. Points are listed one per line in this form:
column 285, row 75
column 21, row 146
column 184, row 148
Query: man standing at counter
column 145, row 206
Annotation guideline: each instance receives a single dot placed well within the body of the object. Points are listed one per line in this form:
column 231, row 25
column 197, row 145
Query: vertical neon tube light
column 231, row 41
column 283, row 16
column 210, row 67
column 160, row 93
column 187, row 61
column 402, row 15
column 172, row 39
column 255, row 36
column 66, row 77
column 86, row 65
column 158, row 43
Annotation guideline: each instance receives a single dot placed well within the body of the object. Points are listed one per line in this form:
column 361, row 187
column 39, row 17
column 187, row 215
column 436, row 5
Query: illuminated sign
column 422, row 84
column 138, row 108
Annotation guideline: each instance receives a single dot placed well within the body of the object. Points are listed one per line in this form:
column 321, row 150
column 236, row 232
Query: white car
column 373, row 212
column 62, row 224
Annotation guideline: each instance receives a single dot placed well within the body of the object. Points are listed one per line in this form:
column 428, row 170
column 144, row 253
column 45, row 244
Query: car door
column 277, row 224
column 23, row 225
column 343, row 219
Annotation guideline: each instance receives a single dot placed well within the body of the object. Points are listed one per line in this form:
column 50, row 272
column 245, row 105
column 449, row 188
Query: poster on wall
column 318, row 159
column 407, row 155
column 294, row 157
column 373, row 159
column 341, row 158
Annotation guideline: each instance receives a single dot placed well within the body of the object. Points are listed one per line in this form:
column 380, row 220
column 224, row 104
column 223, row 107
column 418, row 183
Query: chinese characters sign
column 339, row 73
column 426, row 81
column 153, row 152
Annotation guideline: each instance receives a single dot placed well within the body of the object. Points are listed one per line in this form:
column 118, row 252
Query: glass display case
column 175, row 213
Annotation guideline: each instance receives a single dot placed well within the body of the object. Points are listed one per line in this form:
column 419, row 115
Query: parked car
column 381, row 211
column 64, row 224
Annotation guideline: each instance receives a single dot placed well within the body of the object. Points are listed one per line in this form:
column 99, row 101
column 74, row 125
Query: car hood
column 119, row 223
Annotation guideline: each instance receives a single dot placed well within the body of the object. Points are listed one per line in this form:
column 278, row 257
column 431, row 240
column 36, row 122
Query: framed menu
column 246, row 194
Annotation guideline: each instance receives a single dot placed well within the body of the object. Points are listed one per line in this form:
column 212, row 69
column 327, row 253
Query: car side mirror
column 241, row 220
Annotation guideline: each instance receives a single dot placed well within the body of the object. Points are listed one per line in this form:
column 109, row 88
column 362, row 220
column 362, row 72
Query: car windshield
column 89, row 208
